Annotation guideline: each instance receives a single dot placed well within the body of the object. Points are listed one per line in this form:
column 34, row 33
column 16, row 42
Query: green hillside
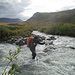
column 54, row 17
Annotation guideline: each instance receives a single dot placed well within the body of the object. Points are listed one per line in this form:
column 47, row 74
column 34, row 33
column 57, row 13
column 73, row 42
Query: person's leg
column 33, row 55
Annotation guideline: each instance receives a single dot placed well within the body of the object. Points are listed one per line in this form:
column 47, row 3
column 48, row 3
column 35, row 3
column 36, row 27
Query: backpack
column 30, row 38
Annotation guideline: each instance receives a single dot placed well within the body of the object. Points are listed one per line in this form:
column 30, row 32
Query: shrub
column 60, row 29
column 4, row 32
column 14, row 68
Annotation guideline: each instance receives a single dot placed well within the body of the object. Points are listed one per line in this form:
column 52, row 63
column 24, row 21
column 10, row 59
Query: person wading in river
column 32, row 44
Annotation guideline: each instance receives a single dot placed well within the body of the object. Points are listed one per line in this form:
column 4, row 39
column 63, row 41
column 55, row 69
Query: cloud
column 71, row 5
column 24, row 9
column 13, row 8
column 68, row 7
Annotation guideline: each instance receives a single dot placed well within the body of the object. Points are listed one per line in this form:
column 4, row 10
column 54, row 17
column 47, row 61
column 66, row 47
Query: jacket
column 31, row 43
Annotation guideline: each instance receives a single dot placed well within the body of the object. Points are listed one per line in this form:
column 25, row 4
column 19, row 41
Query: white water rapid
column 59, row 60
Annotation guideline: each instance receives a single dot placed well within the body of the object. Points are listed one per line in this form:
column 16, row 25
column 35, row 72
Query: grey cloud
column 68, row 7
column 12, row 8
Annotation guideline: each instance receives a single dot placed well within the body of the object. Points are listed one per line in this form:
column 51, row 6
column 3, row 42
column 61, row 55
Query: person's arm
column 42, row 43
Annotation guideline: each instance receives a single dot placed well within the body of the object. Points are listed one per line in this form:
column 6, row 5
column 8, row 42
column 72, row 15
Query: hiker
column 32, row 45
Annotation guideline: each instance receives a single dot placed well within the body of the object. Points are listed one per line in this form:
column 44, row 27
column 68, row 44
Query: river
column 58, row 60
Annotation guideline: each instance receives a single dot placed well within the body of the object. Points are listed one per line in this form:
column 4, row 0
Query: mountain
column 10, row 20
column 53, row 17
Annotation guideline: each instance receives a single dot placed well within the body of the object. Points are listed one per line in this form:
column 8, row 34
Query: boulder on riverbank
column 17, row 40
column 21, row 42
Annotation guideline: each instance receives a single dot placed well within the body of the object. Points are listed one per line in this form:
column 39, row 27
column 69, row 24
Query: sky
column 24, row 9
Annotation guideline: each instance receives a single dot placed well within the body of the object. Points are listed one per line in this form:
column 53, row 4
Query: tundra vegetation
column 60, row 29
column 7, row 30
column 25, row 29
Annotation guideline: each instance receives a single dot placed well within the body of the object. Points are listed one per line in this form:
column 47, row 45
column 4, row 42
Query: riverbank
column 60, row 29
column 25, row 30
column 19, row 40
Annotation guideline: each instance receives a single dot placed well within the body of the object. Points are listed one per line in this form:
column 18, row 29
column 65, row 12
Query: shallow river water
column 58, row 60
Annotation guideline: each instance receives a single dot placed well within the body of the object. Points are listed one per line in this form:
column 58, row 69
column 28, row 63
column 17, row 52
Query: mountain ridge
column 67, row 16
column 10, row 20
